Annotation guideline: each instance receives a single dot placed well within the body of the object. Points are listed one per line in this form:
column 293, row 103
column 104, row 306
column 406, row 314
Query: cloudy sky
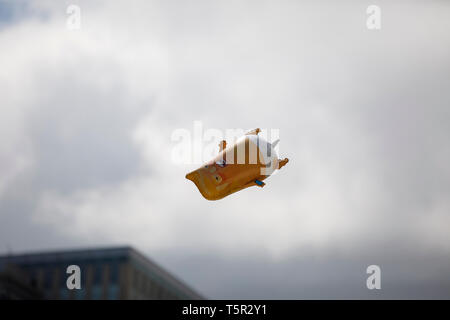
column 87, row 115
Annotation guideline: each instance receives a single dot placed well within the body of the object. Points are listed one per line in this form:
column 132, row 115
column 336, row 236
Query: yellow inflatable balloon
column 246, row 163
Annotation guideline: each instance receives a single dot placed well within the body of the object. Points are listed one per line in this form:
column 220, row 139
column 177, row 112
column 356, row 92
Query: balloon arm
column 222, row 145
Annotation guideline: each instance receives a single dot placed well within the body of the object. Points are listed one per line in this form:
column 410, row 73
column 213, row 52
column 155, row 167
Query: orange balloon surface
column 244, row 164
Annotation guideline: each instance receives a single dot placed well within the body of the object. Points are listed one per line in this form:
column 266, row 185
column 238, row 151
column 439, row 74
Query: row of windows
column 94, row 277
column 99, row 280
column 145, row 288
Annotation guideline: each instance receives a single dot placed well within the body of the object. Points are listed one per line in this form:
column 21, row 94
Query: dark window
column 48, row 278
column 114, row 272
column 98, row 273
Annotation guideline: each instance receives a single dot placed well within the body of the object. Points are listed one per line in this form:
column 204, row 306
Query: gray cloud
column 86, row 120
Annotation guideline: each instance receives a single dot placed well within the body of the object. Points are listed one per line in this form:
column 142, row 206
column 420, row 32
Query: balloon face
column 209, row 181
column 215, row 181
column 235, row 168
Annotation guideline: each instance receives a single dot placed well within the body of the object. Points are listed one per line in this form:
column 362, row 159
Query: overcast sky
column 86, row 118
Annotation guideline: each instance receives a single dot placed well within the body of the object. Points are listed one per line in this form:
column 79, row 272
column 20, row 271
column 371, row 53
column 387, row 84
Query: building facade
column 109, row 274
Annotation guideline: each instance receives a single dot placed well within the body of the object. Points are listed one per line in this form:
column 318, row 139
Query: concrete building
column 112, row 273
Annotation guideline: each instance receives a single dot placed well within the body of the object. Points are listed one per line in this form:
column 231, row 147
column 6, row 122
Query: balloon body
column 244, row 164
